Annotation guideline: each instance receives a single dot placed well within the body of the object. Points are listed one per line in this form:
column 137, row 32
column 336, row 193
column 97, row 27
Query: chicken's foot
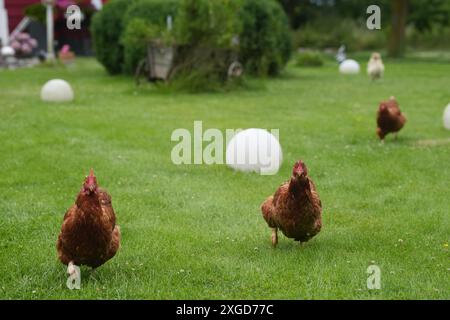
column 274, row 237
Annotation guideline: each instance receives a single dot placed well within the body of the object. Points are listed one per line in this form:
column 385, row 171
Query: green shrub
column 209, row 23
column 309, row 58
column 429, row 39
column 138, row 33
column 153, row 11
column 195, row 81
column 36, row 11
column 106, row 28
column 265, row 39
column 144, row 20
column 204, row 32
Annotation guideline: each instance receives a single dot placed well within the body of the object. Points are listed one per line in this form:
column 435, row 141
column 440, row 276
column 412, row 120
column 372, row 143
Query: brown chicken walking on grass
column 295, row 208
column 389, row 119
column 89, row 234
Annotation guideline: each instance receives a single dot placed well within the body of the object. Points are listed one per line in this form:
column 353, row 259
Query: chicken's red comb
column 91, row 179
column 383, row 107
column 299, row 167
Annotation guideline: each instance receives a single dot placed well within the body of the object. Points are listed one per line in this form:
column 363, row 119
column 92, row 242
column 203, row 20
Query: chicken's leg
column 274, row 237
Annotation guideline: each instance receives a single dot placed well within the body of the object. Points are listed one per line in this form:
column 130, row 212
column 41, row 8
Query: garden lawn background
column 196, row 232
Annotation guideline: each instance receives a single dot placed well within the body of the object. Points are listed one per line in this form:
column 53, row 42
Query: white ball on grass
column 254, row 150
column 57, row 90
column 349, row 66
column 447, row 117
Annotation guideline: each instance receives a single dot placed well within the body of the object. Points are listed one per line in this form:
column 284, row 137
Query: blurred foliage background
column 263, row 34
column 321, row 24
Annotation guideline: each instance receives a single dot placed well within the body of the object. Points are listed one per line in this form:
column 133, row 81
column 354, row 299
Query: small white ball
column 349, row 66
column 254, row 150
column 8, row 52
column 57, row 90
column 447, row 117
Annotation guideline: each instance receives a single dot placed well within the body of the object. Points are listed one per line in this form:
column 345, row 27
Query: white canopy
column 98, row 4
column 4, row 30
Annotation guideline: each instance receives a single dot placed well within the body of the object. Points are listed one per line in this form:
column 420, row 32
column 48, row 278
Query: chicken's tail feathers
column 267, row 211
column 267, row 204
column 117, row 235
column 115, row 242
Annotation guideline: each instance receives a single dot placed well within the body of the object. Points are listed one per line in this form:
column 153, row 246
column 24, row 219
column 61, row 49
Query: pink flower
column 26, row 48
column 33, row 43
column 23, row 36
column 15, row 45
column 22, row 43
column 65, row 48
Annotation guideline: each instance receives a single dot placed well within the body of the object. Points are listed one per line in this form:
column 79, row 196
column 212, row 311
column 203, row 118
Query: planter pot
column 66, row 58
column 160, row 59
column 164, row 62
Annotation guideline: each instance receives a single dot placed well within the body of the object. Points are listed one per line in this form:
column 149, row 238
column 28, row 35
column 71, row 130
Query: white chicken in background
column 375, row 68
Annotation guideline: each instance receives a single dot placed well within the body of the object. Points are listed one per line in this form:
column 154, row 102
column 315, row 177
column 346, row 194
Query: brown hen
column 295, row 208
column 89, row 234
column 389, row 118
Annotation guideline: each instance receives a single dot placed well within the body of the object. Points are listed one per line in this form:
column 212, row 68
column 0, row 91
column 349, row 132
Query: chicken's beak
column 299, row 174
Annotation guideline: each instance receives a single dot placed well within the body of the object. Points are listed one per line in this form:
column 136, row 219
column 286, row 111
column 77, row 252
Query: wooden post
column 4, row 29
column 396, row 45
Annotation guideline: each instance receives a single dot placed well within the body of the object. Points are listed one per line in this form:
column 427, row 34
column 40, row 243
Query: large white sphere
column 57, row 90
column 254, row 150
column 447, row 117
column 8, row 52
column 349, row 66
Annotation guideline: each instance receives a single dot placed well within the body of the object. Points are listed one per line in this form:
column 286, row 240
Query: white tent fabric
column 98, row 4
column 4, row 29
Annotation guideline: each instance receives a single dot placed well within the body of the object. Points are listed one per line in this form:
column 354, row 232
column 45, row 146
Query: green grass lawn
column 196, row 232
